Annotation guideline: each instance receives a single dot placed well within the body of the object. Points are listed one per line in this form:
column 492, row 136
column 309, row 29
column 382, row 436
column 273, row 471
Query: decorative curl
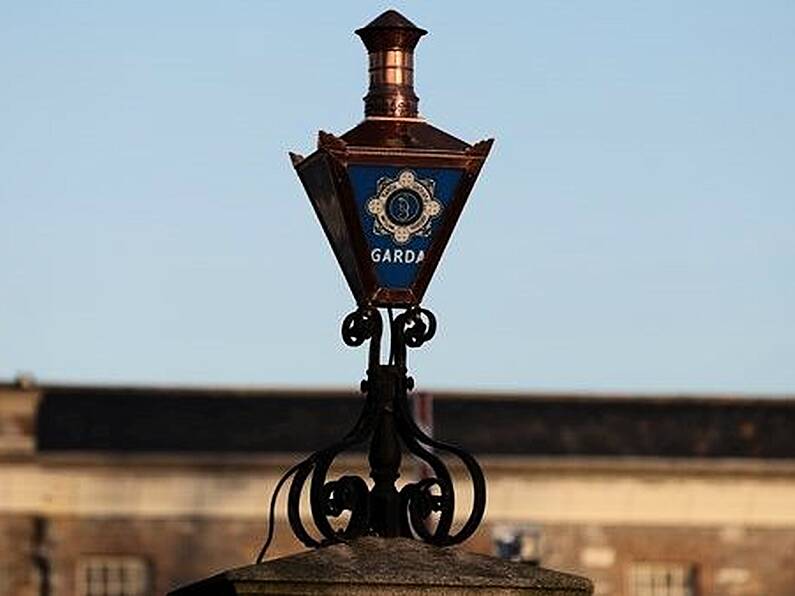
column 330, row 498
column 421, row 504
column 418, row 326
column 361, row 325
column 348, row 493
column 424, row 509
column 419, row 497
column 412, row 328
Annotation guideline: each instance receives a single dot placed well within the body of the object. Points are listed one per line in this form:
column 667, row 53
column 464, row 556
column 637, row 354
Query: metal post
column 385, row 453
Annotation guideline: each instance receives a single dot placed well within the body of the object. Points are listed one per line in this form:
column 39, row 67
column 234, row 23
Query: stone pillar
column 389, row 566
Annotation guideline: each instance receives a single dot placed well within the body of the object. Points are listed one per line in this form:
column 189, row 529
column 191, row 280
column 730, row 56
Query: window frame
column 121, row 564
column 691, row 576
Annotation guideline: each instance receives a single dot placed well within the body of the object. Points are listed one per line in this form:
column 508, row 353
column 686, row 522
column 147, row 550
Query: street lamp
column 388, row 194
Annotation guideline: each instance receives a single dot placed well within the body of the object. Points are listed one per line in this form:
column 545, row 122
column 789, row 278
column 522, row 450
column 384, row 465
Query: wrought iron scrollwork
column 424, row 509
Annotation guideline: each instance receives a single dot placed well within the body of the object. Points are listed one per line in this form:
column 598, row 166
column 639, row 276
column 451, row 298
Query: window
column 113, row 576
column 517, row 543
column 662, row 579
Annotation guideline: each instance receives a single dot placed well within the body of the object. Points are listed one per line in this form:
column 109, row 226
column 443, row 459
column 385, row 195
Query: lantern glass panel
column 401, row 208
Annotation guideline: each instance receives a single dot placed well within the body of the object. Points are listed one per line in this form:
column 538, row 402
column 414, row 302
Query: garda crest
column 404, row 207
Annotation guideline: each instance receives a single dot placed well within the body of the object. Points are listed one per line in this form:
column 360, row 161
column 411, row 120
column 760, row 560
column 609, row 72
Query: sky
column 633, row 229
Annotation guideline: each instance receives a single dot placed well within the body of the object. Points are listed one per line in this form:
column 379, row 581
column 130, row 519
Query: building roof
column 185, row 420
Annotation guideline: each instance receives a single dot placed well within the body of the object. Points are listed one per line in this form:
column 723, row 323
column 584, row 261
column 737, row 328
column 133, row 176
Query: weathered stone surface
column 389, row 566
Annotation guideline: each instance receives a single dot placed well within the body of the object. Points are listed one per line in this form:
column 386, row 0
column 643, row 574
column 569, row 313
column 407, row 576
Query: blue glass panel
column 401, row 208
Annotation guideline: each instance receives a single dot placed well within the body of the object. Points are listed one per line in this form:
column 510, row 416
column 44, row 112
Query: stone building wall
column 18, row 573
column 728, row 561
column 92, row 484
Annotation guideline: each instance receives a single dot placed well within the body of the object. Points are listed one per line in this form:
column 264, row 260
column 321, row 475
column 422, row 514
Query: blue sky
column 632, row 230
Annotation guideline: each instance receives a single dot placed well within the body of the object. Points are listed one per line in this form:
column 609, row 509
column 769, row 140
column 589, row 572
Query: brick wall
column 730, row 561
column 18, row 576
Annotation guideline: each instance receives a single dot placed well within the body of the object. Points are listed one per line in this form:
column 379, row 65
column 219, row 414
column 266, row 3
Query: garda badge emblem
column 404, row 207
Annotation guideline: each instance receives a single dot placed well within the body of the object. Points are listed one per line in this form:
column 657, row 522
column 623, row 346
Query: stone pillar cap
column 395, row 566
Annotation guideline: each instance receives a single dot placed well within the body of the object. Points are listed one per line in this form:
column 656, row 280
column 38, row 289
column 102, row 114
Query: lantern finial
column 390, row 40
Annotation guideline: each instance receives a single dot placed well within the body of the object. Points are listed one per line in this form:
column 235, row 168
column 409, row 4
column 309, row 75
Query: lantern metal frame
column 334, row 156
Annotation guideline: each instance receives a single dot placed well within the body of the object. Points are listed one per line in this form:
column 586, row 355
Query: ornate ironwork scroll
column 424, row 509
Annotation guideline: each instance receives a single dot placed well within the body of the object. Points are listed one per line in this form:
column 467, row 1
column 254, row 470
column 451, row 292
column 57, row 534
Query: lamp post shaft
column 384, row 383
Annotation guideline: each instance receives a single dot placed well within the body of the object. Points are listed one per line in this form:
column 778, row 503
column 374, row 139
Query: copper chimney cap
column 390, row 40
